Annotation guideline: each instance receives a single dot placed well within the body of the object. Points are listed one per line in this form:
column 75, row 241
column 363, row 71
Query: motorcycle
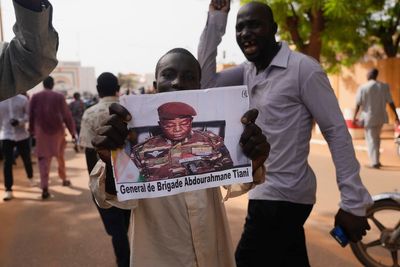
column 380, row 247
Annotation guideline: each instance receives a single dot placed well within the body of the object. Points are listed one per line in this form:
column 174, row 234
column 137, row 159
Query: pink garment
column 48, row 112
column 44, row 167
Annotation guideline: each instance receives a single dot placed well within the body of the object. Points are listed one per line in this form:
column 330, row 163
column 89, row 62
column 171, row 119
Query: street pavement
column 66, row 230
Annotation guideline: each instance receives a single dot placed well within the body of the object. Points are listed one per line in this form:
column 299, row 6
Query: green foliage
column 382, row 26
column 340, row 32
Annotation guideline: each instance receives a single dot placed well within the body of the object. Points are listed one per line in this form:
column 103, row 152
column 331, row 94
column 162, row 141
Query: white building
column 71, row 77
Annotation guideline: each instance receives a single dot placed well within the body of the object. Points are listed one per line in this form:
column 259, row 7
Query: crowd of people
column 287, row 91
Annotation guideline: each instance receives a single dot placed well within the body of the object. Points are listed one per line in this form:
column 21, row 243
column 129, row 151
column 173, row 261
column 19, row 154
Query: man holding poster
column 187, row 229
column 160, row 157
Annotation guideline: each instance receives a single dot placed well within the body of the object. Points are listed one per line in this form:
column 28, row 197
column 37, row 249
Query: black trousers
column 273, row 235
column 116, row 223
column 115, row 220
column 23, row 147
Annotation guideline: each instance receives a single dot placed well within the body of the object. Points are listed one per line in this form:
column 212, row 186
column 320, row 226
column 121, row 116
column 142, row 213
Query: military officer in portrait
column 179, row 150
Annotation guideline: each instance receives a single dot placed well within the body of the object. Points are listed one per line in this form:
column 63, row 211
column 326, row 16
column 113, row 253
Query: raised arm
column 31, row 54
column 207, row 50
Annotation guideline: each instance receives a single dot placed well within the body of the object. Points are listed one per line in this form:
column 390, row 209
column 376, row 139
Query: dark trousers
column 23, row 147
column 115, row 220
column 273, row 235
column 116, row 223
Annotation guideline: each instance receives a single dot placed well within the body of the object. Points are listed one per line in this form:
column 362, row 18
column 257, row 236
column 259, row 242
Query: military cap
column 173, row 110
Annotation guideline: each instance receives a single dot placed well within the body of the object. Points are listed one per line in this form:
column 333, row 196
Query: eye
column 168, row 74
column 188, row 76
column 168, row 125
column 239, row 27
column 254, row 24
column 185, row 123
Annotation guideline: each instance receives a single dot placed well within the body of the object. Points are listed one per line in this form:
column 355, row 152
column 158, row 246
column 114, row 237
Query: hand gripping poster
column 182, row 141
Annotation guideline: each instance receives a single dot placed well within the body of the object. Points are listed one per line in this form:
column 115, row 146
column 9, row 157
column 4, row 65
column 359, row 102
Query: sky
column 129, row 35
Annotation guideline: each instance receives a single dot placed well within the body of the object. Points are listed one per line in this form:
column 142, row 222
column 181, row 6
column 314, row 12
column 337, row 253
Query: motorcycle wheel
column 372, row 250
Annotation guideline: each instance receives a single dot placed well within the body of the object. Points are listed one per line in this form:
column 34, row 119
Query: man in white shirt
column 14, row 115
column 372, row 98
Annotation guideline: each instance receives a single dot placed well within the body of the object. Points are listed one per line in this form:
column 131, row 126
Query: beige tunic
column 31, row 55
column 185, row 230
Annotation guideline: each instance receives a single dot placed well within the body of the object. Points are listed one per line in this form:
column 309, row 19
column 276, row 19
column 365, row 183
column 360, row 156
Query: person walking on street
column 31, row 54
column 290, row 90
column 77, row 108
column 48, row 112
column 371, row 99
column 115, row 220
column 14, row 116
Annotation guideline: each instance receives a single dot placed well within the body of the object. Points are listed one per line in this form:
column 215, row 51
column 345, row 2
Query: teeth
column 249, row 43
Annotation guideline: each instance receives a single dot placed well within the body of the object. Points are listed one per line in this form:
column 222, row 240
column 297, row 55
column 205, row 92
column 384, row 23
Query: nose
column 176, row 83
column 245, row 33
column 177, row 127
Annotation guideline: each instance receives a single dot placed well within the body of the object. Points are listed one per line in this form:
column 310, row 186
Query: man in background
column 48, row 112
column 31, row 54
column 115, row 220
column 372, row 98
column 77, row 108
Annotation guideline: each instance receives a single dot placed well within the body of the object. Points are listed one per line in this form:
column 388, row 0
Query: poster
column 182, row 141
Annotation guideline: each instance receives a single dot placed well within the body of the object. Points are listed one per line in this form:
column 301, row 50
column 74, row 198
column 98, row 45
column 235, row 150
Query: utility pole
column 1, row 26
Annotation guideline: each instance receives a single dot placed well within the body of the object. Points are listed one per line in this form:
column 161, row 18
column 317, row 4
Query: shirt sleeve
column 32, row 105
column 67, row 117
column 31, row 54
column 388, row 95
column 87, row 131
column 25, row 112
column 359, row 99
column 207, row 53
column 321, row 101
column 97, row 185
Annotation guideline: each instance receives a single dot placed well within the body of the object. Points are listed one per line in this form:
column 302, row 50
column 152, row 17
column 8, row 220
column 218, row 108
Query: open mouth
column 249, row 47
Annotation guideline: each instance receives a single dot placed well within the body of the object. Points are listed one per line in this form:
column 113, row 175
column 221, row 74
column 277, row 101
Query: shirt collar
column 281, row 59
column 108, row 99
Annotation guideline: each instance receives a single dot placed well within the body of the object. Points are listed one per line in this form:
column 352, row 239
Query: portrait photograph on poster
column 182, row 141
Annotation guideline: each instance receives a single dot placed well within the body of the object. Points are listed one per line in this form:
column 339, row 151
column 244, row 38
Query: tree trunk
column 317, row 26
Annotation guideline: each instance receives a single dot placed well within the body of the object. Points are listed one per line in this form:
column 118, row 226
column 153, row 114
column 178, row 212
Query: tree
column 328, row 30
column 383, row 26
column 127, row 81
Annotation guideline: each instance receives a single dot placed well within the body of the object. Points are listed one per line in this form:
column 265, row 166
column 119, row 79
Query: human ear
column 155, row 86
column 275, row 28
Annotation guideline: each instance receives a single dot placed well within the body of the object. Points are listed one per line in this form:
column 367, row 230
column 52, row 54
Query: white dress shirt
column 16, row 107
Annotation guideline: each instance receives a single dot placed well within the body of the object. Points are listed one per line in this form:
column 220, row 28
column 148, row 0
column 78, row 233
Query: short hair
column 48, row 82
column 372, row 74
column 178, row 50
column 269, row 13
column 107, row 84
column 77, row 95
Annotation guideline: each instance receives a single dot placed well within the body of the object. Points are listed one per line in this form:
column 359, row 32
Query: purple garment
column 47, row 114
